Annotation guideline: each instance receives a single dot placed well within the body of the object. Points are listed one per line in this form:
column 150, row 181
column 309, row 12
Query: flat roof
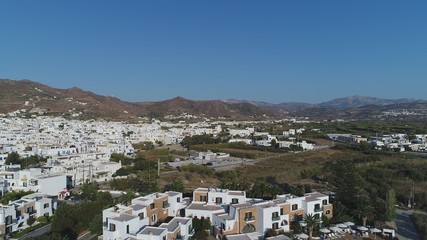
column 153, row 230
column 315, row 196
column 124, row 218
column 238, row 237
column 137, row 207
column 225, row 217
column 203, row 206
column 173, row 194
column 174, row 223
column 236, row 193
column 242, row 205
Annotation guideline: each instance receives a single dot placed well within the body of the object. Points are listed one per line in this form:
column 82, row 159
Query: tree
column 96, row 224
column 200, row 227
column 13, row 195
column 43, row 219
column 346, row 183
column 364, row 212
column 390, row 205
column 64, row 221
column 311, row 222
column 12, row 158
column 176, row 185
column 126, row 198
column 89, row 191
column 269, row 233
column 30, row 221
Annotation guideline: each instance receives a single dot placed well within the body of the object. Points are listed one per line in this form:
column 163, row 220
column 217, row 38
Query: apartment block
column 14, row 215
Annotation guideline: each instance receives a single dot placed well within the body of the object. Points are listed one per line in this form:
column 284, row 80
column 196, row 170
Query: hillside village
column 69, row 153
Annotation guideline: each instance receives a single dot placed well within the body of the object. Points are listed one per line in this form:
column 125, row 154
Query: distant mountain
column 358, row 101
column 208, row 108
column 36, row 97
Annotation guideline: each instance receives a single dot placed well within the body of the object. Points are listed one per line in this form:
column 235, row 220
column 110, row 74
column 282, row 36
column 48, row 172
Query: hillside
column 36, row 97
column 358, row 101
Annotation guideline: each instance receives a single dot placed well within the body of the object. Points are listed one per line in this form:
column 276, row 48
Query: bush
column 420, row 221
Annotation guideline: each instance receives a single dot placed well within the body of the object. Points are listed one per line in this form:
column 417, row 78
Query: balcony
column 318, row 210
column 13, row 221
column 251, row 218
column 275, row 218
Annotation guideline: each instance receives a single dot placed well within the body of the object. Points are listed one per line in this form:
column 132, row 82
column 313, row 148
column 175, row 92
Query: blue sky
column 275, row 51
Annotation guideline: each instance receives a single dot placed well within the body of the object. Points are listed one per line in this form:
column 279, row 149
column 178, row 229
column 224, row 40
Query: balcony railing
column 275, row 218
column 13, row 221
column 318, row 210
column 251, row 218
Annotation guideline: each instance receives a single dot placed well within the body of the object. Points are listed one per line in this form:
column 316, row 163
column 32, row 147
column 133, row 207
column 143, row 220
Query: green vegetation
column 71, row 220
column 14, row 158
column 420, row 221
column 12, row 196
column 201, row 228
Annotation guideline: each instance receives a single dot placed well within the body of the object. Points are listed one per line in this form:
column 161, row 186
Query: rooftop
column 204, row 206
column 124, row 218
column 153, row 230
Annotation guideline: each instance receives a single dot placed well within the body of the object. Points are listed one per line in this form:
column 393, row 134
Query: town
column 50, row 158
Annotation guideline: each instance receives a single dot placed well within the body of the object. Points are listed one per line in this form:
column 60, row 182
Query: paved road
column 38, row 232
column 405, row 227
column 87, row 236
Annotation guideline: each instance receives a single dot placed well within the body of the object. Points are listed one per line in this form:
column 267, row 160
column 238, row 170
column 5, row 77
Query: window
column 112, row 227
column 234, row 201
column 178, row 199
column 164, row 237
column 281, row 211
column 46, row 205
column 153, row 218
column 294, row 207
column 203, row 198
column 9, row 220
column 223, row 226
column 127, row 229
column 152, row 206
column 275, row 226
column 328, row 212
column 284, row 223
column 165, row 204
column 141, row 216
column 325, row 202
column 248, row 216
column 317, row 216
column 218, row 200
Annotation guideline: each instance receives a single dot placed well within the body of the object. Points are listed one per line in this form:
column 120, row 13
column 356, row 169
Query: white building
column 14, row 215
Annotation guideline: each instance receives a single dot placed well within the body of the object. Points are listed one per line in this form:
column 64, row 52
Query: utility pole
column 158, row 166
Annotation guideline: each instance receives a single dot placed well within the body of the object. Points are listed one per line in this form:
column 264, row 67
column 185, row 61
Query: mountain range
column 39, row 98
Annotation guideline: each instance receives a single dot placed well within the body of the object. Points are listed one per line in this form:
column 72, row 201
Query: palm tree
column 311, row 222
column 126, row 198
column 364, row 212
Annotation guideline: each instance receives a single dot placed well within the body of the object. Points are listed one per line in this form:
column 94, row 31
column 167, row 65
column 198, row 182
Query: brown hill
column 208, row 108
column 36, row 97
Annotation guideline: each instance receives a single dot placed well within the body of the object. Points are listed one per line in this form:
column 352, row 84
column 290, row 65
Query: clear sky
column 276, row 51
